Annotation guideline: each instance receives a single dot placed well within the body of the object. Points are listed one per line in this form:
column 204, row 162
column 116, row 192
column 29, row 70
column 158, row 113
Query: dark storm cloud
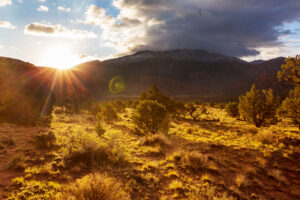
column 232, row 27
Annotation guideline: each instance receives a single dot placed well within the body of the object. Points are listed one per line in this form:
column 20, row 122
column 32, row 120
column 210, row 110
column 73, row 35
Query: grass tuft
column 95, row 187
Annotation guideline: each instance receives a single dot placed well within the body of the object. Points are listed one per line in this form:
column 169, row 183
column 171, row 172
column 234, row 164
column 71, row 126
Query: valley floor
column 216, row 158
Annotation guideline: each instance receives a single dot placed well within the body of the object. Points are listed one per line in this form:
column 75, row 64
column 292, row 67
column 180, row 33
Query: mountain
column 180, row 73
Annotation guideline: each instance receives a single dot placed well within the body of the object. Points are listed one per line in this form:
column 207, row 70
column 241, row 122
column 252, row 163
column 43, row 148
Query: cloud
column 43, row 1
column 232, row 27
column 1, row 46
column 58, row 31
column 61, row 8
column 5, row 2
column 7, row 25
column 118, row 32
column 42, row 8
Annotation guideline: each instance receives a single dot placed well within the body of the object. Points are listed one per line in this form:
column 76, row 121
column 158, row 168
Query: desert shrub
column 157, row 139
column 45, row 140
column 108, row 114
column 177, row 186
column 192, row 161
column 99, row 128
column 16, row 162
column 290, row 107
column 94, row 108
column 189, row 131
column 118, row 153
column 232, row 109
column 258, row 106
column 148, row 116
column 58, row 110
column 119, row 106
column 87, row 150
column 179, row 109
column 153, row 94
column 208, row 192
column 95, row 187
column 80, row 147
column 164, row 126
column 194, row 112
column 32, row 190
column 265, row 137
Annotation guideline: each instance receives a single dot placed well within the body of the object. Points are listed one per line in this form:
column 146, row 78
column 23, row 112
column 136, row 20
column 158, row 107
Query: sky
column 62, row 33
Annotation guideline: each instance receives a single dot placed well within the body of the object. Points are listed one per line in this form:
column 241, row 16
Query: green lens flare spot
column 116, row 85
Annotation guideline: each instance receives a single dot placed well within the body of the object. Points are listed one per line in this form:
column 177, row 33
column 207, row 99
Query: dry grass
column 95, row 187
column 207, row 159
column 155, row 139
column 265, row 136
column 240, row 179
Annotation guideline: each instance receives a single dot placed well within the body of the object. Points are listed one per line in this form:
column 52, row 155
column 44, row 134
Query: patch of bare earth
column 14, row 140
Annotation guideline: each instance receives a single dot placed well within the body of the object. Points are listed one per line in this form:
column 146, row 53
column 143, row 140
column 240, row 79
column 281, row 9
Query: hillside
column 180, row 72
column 24, row 93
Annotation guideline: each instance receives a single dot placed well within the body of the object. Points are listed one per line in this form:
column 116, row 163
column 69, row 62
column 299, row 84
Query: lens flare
column 117, row 85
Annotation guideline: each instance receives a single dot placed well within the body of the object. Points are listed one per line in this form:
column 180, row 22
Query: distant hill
column 24, row 94
column 181, row 73
column 257, row 62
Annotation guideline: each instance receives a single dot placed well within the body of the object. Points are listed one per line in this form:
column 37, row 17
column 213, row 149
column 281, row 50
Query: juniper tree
column 290, row 107
column 258, row 106
column 149, row 115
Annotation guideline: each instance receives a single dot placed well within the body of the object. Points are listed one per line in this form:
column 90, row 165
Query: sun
column 59, row 57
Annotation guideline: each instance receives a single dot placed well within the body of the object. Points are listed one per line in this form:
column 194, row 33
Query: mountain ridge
column 179, row 72
column 182, row 72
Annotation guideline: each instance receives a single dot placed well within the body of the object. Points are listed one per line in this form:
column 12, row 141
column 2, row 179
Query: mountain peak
column 197, row 55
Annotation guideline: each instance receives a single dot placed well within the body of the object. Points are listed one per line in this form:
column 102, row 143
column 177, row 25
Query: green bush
column 108, row 114
column 95, row 187
column 290, row 107
column 290, row 71
column 257, row 106
column 148, row 116
column 232, row 109
column 153, row 94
